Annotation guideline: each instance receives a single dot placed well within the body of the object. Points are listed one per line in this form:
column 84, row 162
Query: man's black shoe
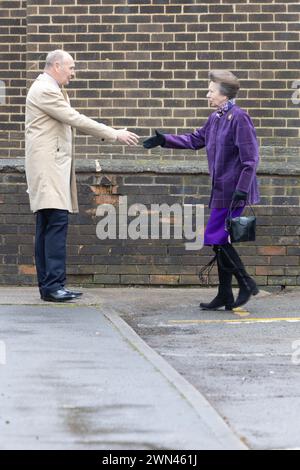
column 60, row 295
column 75, row 293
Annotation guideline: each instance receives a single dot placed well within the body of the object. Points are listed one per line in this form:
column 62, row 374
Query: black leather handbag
column 241, row 229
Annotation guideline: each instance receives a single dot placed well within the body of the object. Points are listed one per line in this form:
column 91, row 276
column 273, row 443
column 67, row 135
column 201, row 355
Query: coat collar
column 45, row 76
column 225, row 107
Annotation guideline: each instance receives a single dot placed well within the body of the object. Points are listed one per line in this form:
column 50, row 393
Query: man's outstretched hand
column 127, row 137
column 154, row 141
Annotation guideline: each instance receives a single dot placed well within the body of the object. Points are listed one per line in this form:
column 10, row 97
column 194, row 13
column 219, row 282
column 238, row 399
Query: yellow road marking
column 240, row 312
column 242, row 320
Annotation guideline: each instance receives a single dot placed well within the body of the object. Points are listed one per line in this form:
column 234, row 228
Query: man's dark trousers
column 50, row 249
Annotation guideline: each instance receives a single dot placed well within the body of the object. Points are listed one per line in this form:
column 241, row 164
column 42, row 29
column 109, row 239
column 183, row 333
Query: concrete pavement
column 144, row 368
column 78, row 377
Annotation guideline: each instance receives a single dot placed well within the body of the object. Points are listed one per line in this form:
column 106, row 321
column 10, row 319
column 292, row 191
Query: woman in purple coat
column 232, row 152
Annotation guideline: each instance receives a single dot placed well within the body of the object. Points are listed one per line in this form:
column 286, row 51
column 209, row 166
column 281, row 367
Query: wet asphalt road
column 245, row 363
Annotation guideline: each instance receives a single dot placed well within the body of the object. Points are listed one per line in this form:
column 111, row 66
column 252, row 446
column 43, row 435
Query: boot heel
column 255, row 291
column 229, row 307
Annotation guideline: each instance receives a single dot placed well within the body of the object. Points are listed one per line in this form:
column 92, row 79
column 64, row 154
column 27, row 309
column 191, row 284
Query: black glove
column 239, row 196
column 154, row 141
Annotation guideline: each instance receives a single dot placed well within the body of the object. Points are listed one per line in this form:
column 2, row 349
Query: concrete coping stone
column 139, row 165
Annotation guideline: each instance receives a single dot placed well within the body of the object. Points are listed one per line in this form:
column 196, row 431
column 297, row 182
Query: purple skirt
column 215, row 233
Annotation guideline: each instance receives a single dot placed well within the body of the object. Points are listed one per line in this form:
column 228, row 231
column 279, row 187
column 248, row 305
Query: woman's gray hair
column 55, row 56
column 228, row 82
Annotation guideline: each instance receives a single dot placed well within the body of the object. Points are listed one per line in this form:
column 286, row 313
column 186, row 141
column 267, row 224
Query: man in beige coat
column 50, row 168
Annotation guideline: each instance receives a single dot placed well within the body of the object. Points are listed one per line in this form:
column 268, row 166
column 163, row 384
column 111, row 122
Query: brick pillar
column 12, row 77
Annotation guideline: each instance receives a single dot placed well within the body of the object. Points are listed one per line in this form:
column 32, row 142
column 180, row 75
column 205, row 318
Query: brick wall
column 143, row 64
column 273, row 258
column 12, row 76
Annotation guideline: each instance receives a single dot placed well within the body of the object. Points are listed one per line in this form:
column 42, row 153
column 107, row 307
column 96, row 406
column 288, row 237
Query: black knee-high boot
column 225, row 296
column 247, row 285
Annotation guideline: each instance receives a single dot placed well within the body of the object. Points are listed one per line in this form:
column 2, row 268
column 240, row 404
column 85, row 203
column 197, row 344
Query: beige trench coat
column 49, row 146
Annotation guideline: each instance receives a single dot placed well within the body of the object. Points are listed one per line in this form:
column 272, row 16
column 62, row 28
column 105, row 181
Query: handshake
column 129, row 138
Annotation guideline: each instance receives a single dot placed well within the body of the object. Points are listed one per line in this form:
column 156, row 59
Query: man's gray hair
column 55, row 56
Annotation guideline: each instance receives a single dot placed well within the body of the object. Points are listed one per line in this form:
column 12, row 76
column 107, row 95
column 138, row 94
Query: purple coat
column 232, row 154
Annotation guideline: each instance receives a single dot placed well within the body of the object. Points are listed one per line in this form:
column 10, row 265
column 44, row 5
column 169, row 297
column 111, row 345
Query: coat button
column 102, row 140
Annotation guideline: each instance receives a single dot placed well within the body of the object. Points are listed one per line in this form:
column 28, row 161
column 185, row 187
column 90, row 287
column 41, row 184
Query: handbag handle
column 231, row 208
column 205, row 270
